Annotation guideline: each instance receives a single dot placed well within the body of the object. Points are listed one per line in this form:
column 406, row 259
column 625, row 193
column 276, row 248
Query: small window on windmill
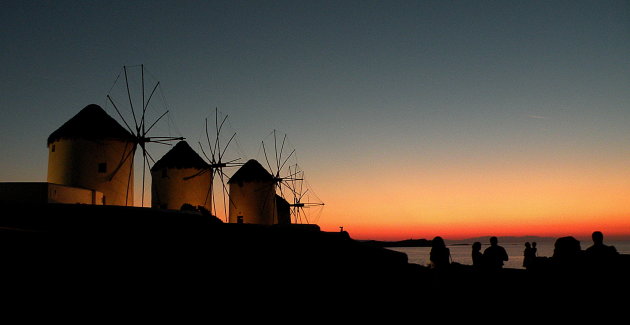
column 102, row 167
column 52, row 149
column 164, row 173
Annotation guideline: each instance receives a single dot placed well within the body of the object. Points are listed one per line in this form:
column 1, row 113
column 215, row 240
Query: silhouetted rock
column 567, row 251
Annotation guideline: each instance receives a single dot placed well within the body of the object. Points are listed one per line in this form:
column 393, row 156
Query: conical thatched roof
column 251, row 171
column 91, row 123
column 181, row 156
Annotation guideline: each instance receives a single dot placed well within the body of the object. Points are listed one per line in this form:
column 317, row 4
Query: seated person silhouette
column 495, row 255
column 440, row 254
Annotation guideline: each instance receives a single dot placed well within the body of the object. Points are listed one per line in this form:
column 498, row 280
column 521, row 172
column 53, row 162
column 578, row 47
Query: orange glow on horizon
column 458, row 204
column 401, row 232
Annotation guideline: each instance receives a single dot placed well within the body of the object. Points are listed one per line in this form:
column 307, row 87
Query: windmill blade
column 203, row 151
column 154, row 123
column 281, row 149
column 293, row 177
column 301, row 212
column 144, row 161
column 226, row 147
column 201, row 172
column 233, row 162
column 225, row 193
column 285, row 161
column 302, row 195
column 148, row 155
column 209, row 194
column 130, row 101
column 129, row 176
column 266, row 159
column 275, row 145
column 119, row 114
column 123, row 159
column 281, row 191
column 143, row 107
column 146, row 105
column 225, row 196
column 209, row 145
column 164, row 142
column 217, row 143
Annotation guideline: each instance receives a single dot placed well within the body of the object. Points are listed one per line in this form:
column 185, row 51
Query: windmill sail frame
column 140, row 131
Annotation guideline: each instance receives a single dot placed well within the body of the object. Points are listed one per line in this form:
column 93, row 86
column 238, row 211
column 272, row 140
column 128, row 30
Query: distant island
column 468, row 241
column 399, row 243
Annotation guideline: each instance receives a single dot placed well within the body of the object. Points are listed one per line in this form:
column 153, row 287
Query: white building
column 27, row 193
column 253, row 196
column 181, row 176
column 92, row 151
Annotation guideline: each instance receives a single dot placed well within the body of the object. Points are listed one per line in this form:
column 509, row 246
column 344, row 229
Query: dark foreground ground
column 102, row 255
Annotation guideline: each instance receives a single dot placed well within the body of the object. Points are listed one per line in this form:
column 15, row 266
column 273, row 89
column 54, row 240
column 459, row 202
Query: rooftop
column 91, row 123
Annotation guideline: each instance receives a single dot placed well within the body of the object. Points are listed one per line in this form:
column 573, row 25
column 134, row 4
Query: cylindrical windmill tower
column 93, row 151
column 283, row 209
column 253, row 195
column 181, row 176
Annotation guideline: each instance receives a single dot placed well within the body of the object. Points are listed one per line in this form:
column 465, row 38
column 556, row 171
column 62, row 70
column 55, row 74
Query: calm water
column 462, row 253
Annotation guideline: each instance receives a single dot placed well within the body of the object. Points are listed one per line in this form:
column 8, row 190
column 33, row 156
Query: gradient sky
column 411, row 119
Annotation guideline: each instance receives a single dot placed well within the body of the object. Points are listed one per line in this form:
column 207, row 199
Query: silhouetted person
column 599, row 253
column 529, row 255
column 440, row 255
column 476, row 254
column 534, row 250
column 495, row 255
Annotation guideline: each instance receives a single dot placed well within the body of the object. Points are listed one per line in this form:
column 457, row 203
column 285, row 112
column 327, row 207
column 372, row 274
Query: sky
column 410, row 119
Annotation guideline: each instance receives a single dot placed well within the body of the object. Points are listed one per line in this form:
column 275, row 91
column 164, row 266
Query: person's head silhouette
column 598, row 238
column 476, row 246
column 438, row 242
column 527, row 244
column 494, row 241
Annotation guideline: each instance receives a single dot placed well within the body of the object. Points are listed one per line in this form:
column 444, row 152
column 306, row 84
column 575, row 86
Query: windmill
column 217, row 146
column 304, row 205
column 129, row 97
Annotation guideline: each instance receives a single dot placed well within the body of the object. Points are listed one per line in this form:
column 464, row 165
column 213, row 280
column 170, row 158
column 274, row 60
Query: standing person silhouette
column 495, row 255
column 528, row 255
column 534, row 249
column 440, row 255
column 476, row 254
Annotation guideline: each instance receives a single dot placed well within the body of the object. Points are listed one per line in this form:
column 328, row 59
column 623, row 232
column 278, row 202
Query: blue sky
column 393, row 85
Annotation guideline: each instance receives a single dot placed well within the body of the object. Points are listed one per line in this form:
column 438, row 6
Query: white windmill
column 278, row 195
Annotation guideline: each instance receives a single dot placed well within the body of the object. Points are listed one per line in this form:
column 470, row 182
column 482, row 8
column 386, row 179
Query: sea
column 461, row 251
